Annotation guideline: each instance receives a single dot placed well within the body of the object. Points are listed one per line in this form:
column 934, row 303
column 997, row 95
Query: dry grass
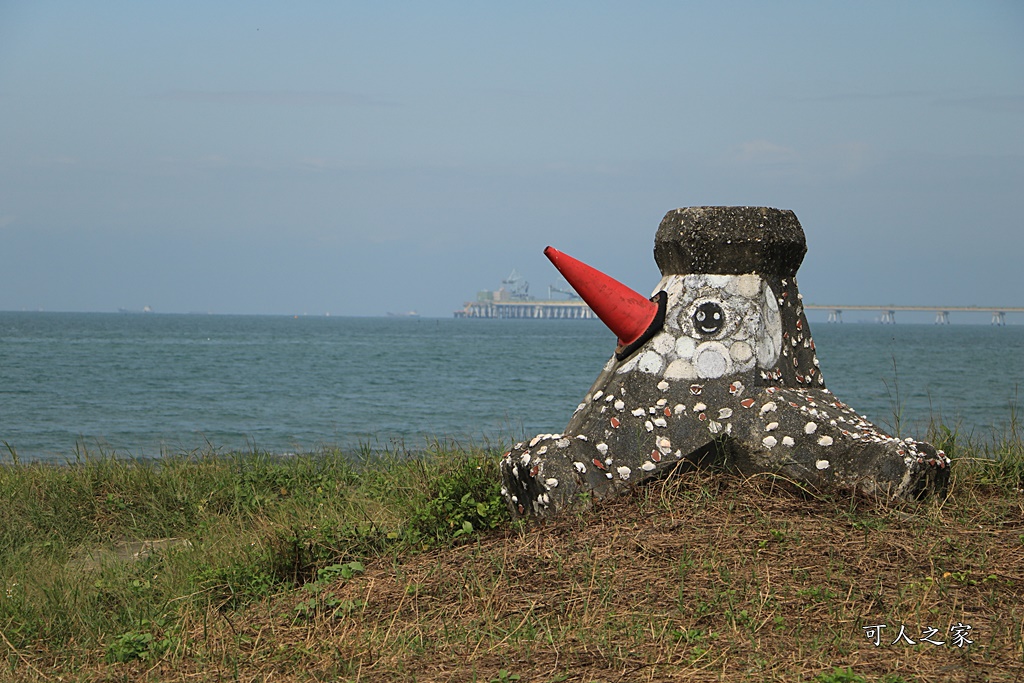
column 704, row 577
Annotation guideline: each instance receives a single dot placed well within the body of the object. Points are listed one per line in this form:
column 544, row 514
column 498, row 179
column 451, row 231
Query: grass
column 390, row 566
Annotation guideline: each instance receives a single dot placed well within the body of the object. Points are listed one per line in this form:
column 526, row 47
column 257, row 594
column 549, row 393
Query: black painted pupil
column 709, row 318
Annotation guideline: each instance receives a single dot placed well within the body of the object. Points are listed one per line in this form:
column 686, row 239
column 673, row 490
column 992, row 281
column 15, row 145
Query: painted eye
column 709, row 318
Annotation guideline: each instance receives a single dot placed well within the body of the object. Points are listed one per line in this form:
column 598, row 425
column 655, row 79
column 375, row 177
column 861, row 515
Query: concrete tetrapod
column 724, row 372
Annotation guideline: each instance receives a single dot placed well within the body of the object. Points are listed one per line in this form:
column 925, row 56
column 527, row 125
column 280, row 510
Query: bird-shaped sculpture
column 718, row 366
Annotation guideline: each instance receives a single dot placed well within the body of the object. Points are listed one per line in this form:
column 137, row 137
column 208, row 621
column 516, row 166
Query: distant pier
column 835, row 313
column 513, row 300
column 526, row 309
column 578, row 310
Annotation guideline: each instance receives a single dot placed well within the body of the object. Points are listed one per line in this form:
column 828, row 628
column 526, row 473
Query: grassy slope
column 398, row 568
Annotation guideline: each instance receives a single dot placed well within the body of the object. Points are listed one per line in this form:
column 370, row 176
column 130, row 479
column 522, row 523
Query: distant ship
column 145, row 309
column 407, row 314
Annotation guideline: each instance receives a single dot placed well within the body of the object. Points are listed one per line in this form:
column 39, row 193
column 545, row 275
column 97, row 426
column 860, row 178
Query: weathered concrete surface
column 732, row 377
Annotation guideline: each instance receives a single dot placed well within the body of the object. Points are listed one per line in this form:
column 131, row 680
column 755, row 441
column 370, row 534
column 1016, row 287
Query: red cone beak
column 627, row 313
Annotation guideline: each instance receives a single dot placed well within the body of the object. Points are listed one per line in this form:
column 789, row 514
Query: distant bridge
column 835, row 314
column 533, row 308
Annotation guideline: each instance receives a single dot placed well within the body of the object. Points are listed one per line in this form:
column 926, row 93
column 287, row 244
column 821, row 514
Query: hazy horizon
column 366, row 159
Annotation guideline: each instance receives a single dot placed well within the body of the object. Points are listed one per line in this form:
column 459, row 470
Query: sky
column 359, row 158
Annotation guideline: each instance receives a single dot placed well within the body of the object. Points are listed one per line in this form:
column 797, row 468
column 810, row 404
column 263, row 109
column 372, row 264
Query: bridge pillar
column 999, row 318
column 889, row 318
column 835, row 316
column 942, row 317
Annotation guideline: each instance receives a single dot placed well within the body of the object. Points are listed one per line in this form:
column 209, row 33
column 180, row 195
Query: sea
column 153, row 385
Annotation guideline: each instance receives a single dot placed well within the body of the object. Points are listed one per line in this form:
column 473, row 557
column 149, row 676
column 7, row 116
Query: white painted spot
column 769, row 442
column 651, row 363
column 714, row 427
column 551, row 483
column 685, row 346
column 628, row 366
column 665, row 446
column 771, row 426
column 724, row 413
column 821, row 464
column 663, row 385
column 609, row 398
column 788, row 441
column 598, row 395
column 660, row 422
column 648, row 426
column 712, row 360
column 699, row 407
column 825, row 440
column 810, row 428
column 524, row 460
column 769, row 407
column 624, row 473
column 619, row 405
column 648, row 466
column 747, row 286
column 582, row 437
column 770, row 339
column 534, row 440
column 639, row 412
column 661, row 402
column 741, row 352
column 663, row 343
column 679, row 409
column 681, row 369
column 562, row 443
column 580, row 467
column 602, row 448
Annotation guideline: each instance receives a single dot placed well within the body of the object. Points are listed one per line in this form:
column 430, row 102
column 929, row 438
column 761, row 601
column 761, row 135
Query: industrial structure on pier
column 513, row 300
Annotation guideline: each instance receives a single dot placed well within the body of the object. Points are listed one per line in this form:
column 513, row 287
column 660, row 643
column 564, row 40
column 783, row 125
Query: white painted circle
column 651, row 363
column 712, row 360
column 685, row 346
column 663, row 343
column 741, row 352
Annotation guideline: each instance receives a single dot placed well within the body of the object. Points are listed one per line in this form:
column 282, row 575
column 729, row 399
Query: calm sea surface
column 151, row 384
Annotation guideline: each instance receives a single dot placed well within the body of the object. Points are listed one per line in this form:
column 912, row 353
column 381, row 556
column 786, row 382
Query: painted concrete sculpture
column 719, row 365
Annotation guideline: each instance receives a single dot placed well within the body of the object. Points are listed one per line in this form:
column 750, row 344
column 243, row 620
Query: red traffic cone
column 629, row 314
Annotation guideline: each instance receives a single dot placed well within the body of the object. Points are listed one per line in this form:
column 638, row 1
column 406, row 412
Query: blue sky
column 360, row 158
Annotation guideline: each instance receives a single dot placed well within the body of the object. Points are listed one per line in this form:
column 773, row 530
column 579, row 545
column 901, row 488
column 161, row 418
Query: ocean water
column 149, row 384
